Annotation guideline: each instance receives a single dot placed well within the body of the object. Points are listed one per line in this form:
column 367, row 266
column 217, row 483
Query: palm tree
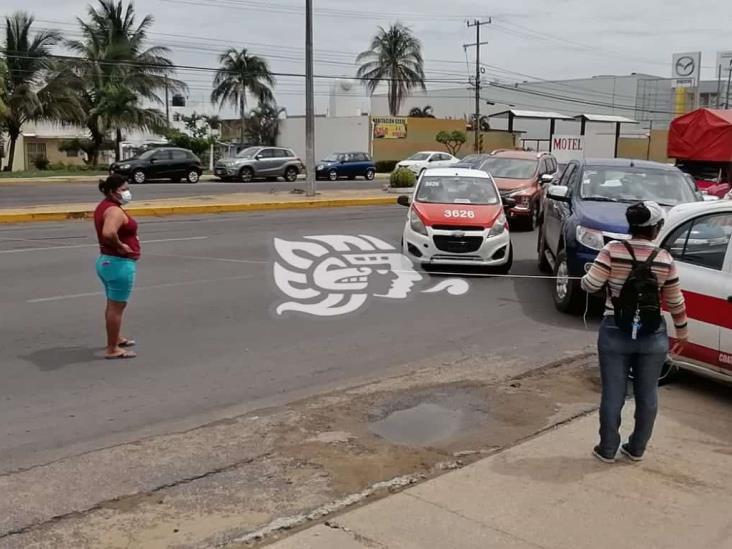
column 424, row 112
column 239, row 74
column 32, row 88
column 118, row 73
column 394, row 57
column 263, row 123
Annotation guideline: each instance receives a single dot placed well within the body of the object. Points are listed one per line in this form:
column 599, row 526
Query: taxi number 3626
column 460, row 214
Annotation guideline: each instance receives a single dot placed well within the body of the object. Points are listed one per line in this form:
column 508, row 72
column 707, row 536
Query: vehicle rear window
column 180, row 155
column 419, row 156
column 702, row 241
column 510, row 168
column 456, row 190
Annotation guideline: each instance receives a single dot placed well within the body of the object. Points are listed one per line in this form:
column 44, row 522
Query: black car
column 160, row 163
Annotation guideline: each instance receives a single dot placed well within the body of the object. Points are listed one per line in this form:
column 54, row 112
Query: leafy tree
column 241, row 73
column 453, row 141
column 394, row 57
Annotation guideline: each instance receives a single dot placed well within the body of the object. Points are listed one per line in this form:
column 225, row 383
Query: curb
column 192, row 209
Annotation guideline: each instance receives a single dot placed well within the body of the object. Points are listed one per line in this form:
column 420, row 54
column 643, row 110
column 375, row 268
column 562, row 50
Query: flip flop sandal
column 127, row 343
column 121, row 356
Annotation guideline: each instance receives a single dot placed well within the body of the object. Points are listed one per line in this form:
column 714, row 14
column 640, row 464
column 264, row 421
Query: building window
column 35, row 151
column 72, row 154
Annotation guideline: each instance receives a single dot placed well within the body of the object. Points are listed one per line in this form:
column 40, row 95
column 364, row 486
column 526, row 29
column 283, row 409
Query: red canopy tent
column 702, row 135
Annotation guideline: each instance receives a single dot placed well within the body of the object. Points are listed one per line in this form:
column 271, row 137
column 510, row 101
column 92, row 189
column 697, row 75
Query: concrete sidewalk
column 550, row 493
column 222, row 203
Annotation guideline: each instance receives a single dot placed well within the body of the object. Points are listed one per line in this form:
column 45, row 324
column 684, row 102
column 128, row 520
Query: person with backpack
column 636, row 275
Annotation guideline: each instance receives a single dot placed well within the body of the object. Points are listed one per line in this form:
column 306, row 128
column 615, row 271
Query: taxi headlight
column 416, row 223
column 499, row 227
column 590, row 238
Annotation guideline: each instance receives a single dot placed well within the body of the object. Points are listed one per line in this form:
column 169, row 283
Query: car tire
column 193, row 176
column 566, row 292
column 138, row 176
column 544, row 265
column 506, row 268
column 370, row 175
column 333, row 175
column 291, row 174
column 246, row 175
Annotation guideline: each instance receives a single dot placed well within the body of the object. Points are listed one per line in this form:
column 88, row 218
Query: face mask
column 125, row 197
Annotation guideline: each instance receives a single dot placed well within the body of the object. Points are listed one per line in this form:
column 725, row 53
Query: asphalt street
column 15, row 194
column 210, row 339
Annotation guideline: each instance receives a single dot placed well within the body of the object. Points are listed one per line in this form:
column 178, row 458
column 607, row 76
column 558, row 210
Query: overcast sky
column 528, row 38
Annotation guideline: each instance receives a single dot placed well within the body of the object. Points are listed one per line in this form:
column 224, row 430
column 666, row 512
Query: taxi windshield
column 668, row 188
column 456, row 190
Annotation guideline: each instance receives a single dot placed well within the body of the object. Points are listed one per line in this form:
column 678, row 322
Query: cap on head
column 645, row 214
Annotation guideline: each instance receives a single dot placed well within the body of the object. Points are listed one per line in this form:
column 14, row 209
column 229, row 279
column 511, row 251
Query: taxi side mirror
column 403, row 200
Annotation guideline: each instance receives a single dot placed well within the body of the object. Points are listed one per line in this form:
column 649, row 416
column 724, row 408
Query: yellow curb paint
column 192, row 209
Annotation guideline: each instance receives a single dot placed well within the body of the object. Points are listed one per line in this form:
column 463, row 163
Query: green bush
column 386, row 166
column 402, row 177
column 41, row 163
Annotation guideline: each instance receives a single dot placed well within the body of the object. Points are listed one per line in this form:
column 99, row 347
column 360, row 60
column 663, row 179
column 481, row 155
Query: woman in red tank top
column 117, row 264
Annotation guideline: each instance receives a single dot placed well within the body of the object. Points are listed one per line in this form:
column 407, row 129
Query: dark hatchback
column 350, row 165
column 586, row 209
column 160, row 163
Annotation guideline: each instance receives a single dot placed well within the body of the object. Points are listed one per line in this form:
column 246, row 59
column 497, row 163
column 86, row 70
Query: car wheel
column 370, row 174
column 566, row 292
column 544, row 265
column 506, row 268
column 291, row 174
column 246, row 175
column 193, row 176
column 333, row 175
column 138, row 176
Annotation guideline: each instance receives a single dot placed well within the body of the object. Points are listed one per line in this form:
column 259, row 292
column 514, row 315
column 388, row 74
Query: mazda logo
column 685, row 66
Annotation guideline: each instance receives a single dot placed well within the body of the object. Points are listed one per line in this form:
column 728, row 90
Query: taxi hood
column 483, row 215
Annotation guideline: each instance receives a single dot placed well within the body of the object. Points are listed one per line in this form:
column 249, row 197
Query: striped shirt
column 613, row 266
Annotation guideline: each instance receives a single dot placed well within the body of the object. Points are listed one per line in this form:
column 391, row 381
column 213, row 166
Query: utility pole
column 167, row 102
column 729, row 80
column 309, row 100
column 476, row 123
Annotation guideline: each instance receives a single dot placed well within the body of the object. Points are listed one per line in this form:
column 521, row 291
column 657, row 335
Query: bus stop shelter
column 607, row 119
column 514, row 114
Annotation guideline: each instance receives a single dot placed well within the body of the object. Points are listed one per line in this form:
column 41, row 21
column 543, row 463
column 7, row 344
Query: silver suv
column 260, row 163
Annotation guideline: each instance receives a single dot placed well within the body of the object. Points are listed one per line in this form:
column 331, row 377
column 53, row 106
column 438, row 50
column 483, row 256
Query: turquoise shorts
column 118, row 276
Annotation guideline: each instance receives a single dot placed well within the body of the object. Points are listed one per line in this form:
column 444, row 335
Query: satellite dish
column 346, row 85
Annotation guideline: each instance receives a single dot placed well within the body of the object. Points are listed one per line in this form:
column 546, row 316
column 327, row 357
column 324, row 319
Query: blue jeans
column 618, row 354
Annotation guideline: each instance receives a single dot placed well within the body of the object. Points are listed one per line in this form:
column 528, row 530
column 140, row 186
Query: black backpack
column 639, row 296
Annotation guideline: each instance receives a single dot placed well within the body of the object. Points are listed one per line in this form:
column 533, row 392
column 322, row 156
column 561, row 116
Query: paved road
column 15, row 194
column 204, row 314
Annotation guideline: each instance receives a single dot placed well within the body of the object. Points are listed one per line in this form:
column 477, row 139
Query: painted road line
column 22, row 250
column 142, row 288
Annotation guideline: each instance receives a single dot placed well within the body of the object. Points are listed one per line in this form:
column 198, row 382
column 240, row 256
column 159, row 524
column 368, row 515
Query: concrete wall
column 341, row 134
column 421, row 133
column 642, row 149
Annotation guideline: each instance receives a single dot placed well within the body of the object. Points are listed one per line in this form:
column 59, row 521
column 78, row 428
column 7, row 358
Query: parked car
column 260, row 163
column 522, row 175
column 420, row 161
column 699, row 237
column 586, row 209
column 456, row 218
column 350, row 165
column 160, row 163
column 472, row 161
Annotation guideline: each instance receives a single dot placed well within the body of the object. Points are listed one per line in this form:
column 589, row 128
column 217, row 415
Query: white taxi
column 699, row 237
column 456, row 217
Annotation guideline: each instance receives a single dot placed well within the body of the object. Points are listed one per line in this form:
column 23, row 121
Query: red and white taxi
column 456, row 218
column 699, row 236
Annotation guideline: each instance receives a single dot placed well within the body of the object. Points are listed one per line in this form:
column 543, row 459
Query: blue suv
column 585, row 209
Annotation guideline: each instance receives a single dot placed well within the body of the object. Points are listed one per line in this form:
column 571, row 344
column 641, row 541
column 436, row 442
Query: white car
column 699, row 236
column 420, row 161
column 456, row 217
